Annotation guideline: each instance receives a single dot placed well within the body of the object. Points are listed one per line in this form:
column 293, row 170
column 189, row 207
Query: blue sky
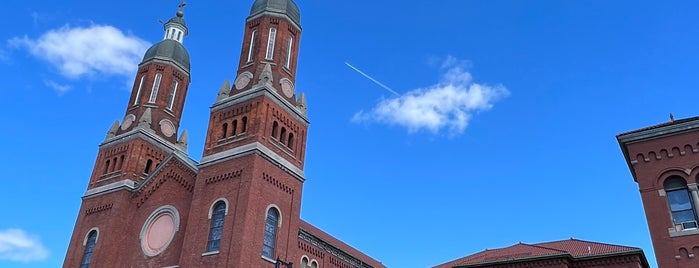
column 503, row 129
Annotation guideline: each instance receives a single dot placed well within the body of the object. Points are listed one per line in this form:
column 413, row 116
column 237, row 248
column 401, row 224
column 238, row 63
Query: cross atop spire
column 180, row 9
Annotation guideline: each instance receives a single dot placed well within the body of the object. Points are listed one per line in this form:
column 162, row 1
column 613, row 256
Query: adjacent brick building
column 149, row 204
column 663, row 160
column 557, row 254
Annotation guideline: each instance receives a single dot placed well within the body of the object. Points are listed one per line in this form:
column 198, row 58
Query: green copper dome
column 168, row 49
column 285, row 7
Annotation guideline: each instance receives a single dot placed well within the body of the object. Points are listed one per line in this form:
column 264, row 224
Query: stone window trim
column 304, row 260
column 153, row 216
column 279, row 220
column 87, row 235
column 213, row 204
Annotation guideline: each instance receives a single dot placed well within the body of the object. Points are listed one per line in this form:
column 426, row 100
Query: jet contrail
column 372, row 79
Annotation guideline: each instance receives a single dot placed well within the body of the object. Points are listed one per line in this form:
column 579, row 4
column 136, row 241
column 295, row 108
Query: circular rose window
column 158, row 230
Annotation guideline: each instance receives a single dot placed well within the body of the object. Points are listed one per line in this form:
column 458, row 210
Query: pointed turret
column 301, row 103
column 113, row 130
column 146, row 120
column 183, row 141
column 224, row 91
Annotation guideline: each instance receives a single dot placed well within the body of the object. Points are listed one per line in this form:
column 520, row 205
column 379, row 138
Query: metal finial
column 180, row 9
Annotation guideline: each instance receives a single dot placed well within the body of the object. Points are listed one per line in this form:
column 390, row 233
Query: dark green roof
column 285, row 7
column 168, row 50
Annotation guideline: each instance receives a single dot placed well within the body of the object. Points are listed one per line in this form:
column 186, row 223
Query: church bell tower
column 140, row 189
column 253, row 158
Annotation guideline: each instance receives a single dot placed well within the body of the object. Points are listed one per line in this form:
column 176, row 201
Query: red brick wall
column 650, row 177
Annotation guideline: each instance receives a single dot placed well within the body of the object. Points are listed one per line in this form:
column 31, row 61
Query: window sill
column 674, row 233
column 210, row 253
column 268, row 259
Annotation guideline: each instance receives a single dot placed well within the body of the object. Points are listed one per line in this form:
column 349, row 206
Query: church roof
column 571, row 248
column 168, row 49
column 284, row 7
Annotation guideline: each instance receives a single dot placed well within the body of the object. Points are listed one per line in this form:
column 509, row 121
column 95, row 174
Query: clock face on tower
column 287, row 88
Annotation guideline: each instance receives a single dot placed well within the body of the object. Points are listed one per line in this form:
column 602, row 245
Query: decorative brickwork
column 223, row 177
column 101, row 208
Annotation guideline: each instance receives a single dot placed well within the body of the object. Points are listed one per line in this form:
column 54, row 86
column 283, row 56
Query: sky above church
column 438, row 128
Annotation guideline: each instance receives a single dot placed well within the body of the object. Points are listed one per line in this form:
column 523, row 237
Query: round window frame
column 167, row 209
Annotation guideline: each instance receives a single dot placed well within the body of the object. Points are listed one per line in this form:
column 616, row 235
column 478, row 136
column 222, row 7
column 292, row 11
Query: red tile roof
column 574, row 248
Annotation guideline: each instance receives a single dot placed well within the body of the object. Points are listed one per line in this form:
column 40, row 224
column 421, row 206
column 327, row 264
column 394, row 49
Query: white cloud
column 79, row 51
column 16, row 245
column 448, row 104
column 56, row 86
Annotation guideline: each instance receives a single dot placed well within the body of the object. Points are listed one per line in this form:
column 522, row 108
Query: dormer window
column 270, row 43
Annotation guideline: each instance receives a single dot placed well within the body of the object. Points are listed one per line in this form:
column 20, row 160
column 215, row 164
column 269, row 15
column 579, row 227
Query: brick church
column 149, row 204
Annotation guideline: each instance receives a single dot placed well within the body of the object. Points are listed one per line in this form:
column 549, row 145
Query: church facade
column 149, row 204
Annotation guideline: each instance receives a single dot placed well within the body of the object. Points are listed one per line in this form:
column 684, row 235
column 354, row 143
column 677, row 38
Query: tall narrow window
column 270, row 239
column 216, row 226
column 275, row 127
column 156, row 86
column 173, row 91
column 282, row 135
column 252, row 45
column 138, row 93
column 89, row 249
column 245, row 125
column 680, row 202
column 235, row 127
column 106, row 167
column 121, row 163
column 224, row 129
column 179, row 36
column 314, row 264
column 114, row 164
column 288, row 52
column 304, row 262
column 270, row 43
column 291, row 141
column 148, row 165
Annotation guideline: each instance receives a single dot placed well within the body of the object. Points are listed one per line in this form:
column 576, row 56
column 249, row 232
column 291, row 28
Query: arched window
column 314, row 264
column 224, row 129
column 289, row 44
column 114, row 163
column 89, row 249
column 156, row 86
column 680, row 202
column 235, row 127
column 252, row 45
column 304, row 262
column 106, row 167
column 217, row 218
column 270, row 239
column 245, row 124
column 282, row 135
column 270, row 43
column 121, row 163
column 138, row 93
column 148, row 165
column 275, row 126
column 290, row 143
column 173, row 91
